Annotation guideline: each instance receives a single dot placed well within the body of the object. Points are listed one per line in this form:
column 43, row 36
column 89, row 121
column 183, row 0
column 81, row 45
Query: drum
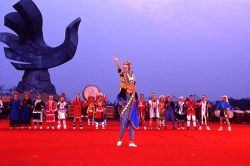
column 239, row 116
column 247, row 115
column 37, row 116
column 90, row 90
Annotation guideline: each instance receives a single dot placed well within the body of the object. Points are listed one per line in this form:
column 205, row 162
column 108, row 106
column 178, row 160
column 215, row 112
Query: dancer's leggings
column 131, row 132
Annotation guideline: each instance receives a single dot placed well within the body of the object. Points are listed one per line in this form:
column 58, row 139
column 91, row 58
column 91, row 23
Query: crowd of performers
column 25, row 112
column 162, row 109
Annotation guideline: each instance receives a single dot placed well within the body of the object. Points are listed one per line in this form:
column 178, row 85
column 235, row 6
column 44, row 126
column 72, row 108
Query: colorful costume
column 162, row 110
column 204, row 111
column 100, row 111
column 62, row 108
column 224, row 107
column 191, row 105
column 142, row 106
column 91, row 108
column 180, row 114
column 77, row 106
column 37, row 114
column 51, row 107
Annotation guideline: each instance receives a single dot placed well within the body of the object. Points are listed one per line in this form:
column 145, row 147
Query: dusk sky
column 177, row 47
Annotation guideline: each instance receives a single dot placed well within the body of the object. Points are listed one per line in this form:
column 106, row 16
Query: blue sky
column 177, row 47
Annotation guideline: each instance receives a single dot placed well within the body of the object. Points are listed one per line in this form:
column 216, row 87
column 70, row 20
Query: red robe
column 191, row 106
column 142, row 105
column 51, row 107
column 77, row 105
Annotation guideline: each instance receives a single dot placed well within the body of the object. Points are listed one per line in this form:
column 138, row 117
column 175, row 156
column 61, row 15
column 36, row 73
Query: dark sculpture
column 29, row 50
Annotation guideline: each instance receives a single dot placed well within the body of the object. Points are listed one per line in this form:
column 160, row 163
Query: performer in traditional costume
column 62, row 108
column 169, row 111
column 224, row 107
column 129, row 114
column 15, row 107
column 142, row 108
column 77, row 106
column 161, row 105
column 100, row 110
column 204, row 106
column 51, row 108
column 90, row 110
column 191, row 106
column 154, row 113
column 26, row 111
column 180, row 113
column 38, row 113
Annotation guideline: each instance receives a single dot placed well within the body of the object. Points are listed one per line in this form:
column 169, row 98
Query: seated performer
column 142, row 108
column 51, row 108
column 224, row 107
column 100, row 110
column 191, row 105
column 154, row 113
column 162, row 101
column 204, row 106
column 129, row 114
column 15, row 106
column 77, row 107
column 91, row 109
column 62, row 108
column 169, row 113
column 180, row 113
column 26, row 111
column 38, row 112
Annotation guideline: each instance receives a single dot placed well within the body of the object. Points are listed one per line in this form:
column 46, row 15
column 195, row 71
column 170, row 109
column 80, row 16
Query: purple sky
column 176, row 47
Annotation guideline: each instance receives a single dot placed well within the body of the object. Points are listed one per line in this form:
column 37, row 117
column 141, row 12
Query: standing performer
column 224, row 107
column 191, row 105
column 162, row 101
column 180, row 113
column 129, row 114
column 15, row 106
column 77, row 105
column 169, row 113
column 38, row 112
column 204, row 112
column 26, row 111
column 142, row 108
column 51, row 108
column 100, row 110
column 62, row 108
column 91, row 109
column 154, row 113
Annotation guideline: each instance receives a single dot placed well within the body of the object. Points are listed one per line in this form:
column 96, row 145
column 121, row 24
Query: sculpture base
column 36, row 82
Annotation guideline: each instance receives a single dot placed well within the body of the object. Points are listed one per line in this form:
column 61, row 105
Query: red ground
column 92, row 147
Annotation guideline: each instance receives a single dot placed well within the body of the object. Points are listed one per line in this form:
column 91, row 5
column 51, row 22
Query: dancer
column 170, row 110
column 224, row 107
column 129, row 114
column 91, row 109
column 26, row 111
column 51, row 108
column 15, row 106
column 204, row 106
column 38, row 113
column 191, row 105
column 77, row 106
column 142, row 108
column 162, row 101
column 180, row 113
column 154, row 113
column 100, row 110
column 62, row 108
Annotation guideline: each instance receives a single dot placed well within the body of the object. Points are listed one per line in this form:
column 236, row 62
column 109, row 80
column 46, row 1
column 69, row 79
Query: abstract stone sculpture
column 29, row 50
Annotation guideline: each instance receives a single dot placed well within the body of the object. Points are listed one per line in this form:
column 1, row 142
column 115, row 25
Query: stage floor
column 98, row 147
